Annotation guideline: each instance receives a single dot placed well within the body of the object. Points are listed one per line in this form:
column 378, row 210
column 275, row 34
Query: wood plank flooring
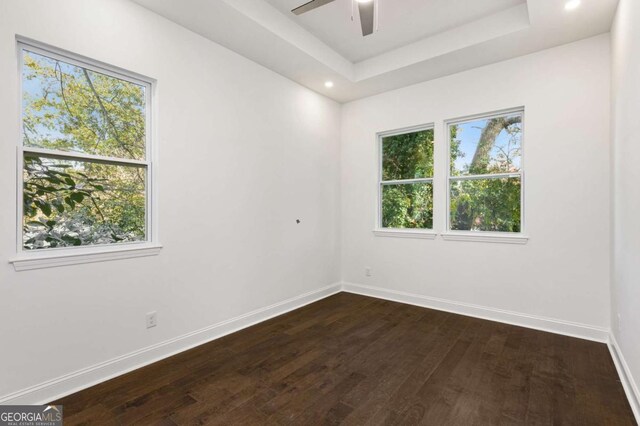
column 356, row 360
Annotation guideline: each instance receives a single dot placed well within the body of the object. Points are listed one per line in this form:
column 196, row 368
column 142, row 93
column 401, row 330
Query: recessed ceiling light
column 328, row 84
column 364, row 1
column 572, row 4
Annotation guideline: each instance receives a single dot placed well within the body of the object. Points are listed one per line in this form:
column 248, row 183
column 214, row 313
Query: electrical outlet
column 152, row 319
column 367, row 271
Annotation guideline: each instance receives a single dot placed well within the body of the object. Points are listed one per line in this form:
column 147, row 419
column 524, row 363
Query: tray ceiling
column 417, row 40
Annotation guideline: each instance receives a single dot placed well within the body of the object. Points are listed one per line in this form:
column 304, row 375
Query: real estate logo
column 30, row 415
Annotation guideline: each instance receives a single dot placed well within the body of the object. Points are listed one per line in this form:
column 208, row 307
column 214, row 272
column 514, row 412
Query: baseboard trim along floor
column 87, row 377
column 629, row 385
column 551, row 325
column 353, row 359
column 90, row 376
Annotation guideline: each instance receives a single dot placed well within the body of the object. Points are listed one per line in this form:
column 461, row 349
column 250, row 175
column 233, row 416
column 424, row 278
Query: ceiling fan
column 366, row 8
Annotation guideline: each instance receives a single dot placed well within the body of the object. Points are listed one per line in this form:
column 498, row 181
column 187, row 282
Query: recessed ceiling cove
column 415, row 41
column 400, row 22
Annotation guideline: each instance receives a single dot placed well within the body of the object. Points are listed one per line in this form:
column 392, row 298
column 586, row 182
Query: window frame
column 485, row 236
column 379, row 230
column 28, row 259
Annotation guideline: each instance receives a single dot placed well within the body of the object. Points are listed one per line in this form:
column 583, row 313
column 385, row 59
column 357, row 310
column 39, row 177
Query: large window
column 406, row 180
column 485, row 173
column 84, row 153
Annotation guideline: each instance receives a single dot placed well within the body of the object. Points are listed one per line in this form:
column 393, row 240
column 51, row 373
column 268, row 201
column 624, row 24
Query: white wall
column 248, row 152
column 563, row 271
column 625, row 286
column 244, row 152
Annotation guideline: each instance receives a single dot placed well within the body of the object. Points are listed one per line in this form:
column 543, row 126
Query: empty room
column 294, row 212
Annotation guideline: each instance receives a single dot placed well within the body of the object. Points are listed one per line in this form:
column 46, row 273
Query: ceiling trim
column 499, row 24
column 493, row 26
column 259, row 31
column 272, row 20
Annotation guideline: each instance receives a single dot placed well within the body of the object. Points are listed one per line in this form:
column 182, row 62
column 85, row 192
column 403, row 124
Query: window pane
column 407, row 206
column 77, row 203
column 69, row 108
column 408, row 156
column 486, row 146
column 486, row 205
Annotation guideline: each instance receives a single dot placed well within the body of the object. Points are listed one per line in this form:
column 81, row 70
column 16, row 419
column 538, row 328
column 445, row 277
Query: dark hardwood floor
column 356, row 360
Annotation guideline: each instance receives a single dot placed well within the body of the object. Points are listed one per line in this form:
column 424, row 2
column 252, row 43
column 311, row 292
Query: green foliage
column 486, row 205
column 454, row 150
column 70, row 108
column 65, row 205
column 491, row 204
column 407, row 206
column 71, row 202
column 407, row 156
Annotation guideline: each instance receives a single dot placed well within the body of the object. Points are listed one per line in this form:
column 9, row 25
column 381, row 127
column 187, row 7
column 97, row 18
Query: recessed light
column 328, row 84
column 571, row 4
column 364, row 1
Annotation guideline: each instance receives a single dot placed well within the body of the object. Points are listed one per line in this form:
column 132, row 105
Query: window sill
column 399, row 233
column 52, row 260
column 485, row 237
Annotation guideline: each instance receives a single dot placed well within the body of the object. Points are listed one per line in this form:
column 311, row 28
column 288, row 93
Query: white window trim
column 483, row 236
column 61, row 256
column 103, row 254
column 405, row 233
column 441, row 182
column 378, row 229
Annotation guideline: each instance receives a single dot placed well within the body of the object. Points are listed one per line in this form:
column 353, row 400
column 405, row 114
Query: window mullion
column 114, row 191
column 479, row 194
column 64, row 155
column 406, row 181
column 485, row 176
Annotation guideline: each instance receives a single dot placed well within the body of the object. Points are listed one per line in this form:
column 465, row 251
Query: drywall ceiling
column 417, row 40
column 400, row 22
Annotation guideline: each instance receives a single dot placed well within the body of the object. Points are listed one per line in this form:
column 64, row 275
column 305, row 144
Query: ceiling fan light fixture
column 367, row 9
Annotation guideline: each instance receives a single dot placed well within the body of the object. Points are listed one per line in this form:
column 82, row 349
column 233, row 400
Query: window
column 406, row 180
column 485, row 173
column 84, row 153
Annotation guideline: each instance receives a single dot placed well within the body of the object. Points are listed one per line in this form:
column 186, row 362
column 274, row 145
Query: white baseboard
column 90, row 376
column 73, row 382
column 628, row 383
column 551, row 325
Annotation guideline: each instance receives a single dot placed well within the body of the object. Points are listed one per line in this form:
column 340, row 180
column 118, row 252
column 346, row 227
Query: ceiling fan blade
column 310, row 6
column 367, row 12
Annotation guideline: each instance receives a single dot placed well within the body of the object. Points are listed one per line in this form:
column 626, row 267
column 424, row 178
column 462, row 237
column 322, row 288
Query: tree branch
column 116, row 134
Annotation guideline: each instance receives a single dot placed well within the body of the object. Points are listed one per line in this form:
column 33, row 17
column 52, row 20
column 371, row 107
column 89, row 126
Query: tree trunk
column 488, row 138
